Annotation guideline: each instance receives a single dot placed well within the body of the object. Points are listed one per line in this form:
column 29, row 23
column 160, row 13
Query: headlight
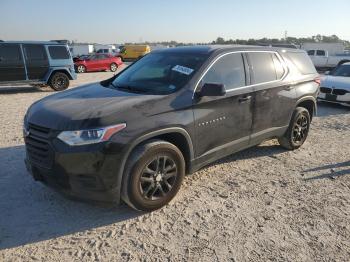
column 89, row 136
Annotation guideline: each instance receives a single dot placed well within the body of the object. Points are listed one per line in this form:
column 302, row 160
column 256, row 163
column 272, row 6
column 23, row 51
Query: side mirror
column 212, row 89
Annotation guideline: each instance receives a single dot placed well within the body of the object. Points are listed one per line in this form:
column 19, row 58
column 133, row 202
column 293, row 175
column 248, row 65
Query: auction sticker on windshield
column 182, row 69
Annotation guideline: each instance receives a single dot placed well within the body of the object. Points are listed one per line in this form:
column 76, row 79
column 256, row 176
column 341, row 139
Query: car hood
column 92, row 105
column 336, row 82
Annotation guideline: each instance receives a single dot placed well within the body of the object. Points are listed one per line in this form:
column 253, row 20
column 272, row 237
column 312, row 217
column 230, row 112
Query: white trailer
column 81, row 49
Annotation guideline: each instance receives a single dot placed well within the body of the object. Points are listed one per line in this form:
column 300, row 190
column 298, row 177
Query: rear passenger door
column 274, row 100
column 223, row 124
column 36, row 61
column 11, row 63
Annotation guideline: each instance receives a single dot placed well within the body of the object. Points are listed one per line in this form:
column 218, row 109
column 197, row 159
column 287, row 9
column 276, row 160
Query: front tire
column 113, row 67
column 297, row 131
column 81, row 69
column 59, row 81
column 153, row 175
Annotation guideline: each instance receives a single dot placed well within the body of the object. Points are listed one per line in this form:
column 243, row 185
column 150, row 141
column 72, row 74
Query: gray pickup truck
column 323, row 60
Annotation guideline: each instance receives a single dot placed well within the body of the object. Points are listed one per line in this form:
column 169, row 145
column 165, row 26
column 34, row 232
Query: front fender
column 127, row 152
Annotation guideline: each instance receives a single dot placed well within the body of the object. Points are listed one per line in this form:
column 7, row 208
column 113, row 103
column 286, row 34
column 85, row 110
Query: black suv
column 36, row 63
column 134, row 136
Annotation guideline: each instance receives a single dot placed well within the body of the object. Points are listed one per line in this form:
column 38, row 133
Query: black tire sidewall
column 132, row 184
column 56, row 75
column 299, row 111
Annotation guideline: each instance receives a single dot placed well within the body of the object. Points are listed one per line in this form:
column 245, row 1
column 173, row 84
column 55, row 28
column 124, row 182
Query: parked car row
column 105, row 59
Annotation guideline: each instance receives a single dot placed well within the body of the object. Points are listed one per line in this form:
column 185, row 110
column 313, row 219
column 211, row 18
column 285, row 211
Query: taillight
column 317, row 80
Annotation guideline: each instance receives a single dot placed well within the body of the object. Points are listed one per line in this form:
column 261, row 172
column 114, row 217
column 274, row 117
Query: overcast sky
column 117, row 21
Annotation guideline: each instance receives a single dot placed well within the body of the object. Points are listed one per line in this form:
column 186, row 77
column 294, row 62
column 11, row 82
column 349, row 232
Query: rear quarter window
column 302, row 62
column 58, row 52
column 263, row 67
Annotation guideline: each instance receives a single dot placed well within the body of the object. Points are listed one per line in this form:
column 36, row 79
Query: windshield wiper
column 129, row 88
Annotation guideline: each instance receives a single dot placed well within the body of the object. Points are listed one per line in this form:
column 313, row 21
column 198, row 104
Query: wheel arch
column 343, row 61
column 310, row 103
column 61, row 70
column 175, row 135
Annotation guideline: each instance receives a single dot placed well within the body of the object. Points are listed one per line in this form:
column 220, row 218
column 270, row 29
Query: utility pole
column 285, row 36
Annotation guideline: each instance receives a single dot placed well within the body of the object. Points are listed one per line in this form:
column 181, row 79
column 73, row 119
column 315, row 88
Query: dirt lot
column 264, row 203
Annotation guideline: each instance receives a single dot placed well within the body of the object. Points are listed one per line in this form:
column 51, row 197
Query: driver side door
column 223, row 124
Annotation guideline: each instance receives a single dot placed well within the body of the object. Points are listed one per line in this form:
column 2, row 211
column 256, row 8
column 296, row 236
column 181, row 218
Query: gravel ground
column 262, row 204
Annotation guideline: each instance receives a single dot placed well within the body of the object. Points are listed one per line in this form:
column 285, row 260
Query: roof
column 209, row 49
column 34, row 42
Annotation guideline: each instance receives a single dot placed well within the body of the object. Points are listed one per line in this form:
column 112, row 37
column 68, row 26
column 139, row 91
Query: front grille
column 326, row 90
column 340, row 92
column 38, row 147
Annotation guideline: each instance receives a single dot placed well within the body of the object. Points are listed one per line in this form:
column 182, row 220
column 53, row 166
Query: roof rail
column 60, row 41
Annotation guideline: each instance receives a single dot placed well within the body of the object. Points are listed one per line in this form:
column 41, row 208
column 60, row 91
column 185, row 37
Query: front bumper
column 86, row 173
column 341, row 99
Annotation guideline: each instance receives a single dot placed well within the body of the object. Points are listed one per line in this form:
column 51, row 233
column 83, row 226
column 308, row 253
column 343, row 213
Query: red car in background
column 97, row 62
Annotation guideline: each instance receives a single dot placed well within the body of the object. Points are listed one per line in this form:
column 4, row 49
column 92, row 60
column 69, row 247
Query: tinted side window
column 35, row 52
column 58, row 52
column 263, row 67
column 311, row 52
column 321, row 53
column 100, row 57
column 10, row 52
column 302, row 62
column 278, row 66
column 228, row 70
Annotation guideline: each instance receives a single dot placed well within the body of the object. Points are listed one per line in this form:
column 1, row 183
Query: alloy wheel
column 81, row 69
column 59, row 82
column 113, row 67
column 158, row 178
column 300, row 129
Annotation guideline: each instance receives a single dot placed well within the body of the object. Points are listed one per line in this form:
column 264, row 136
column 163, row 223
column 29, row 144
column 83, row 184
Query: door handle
column 244, row 99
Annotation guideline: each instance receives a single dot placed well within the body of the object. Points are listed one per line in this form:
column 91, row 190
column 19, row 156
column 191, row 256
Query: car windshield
column 343, row 70
column 159, row 73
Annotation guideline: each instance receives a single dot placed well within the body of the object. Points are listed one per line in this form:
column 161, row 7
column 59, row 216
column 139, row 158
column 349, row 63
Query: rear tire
column 113, row 67
column 59, row 81
column 153, row 175
column 297, row 131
